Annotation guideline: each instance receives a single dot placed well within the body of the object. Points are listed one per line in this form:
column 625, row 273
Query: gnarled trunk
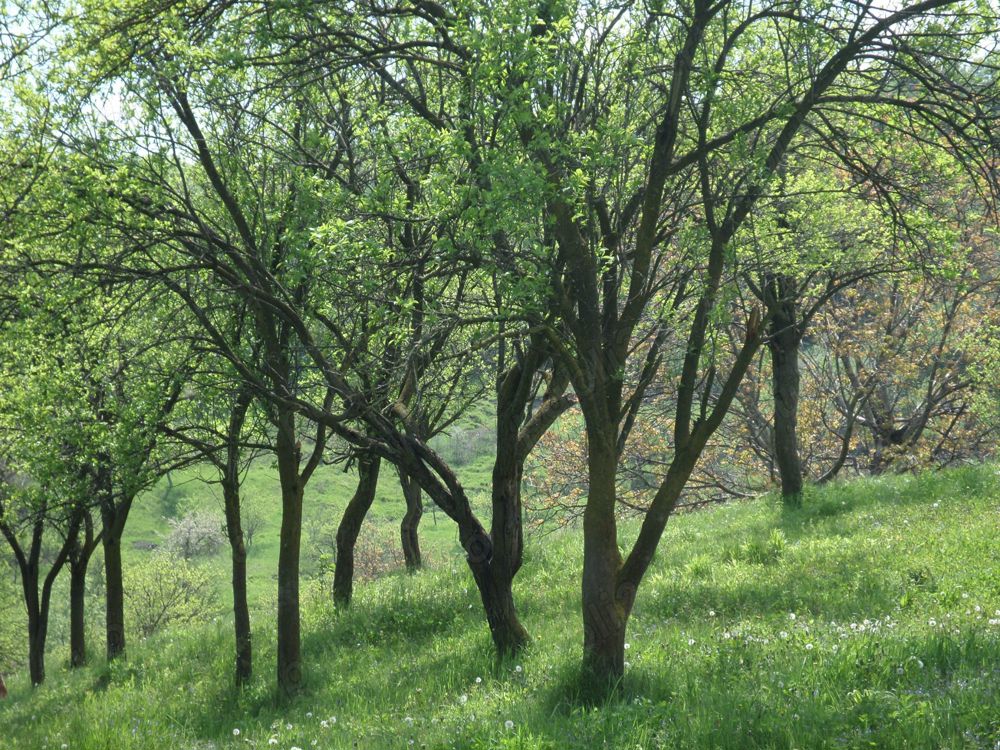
column 410, row 524
column 350, row 527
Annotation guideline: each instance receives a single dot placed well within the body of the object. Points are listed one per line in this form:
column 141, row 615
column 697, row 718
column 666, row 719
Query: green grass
column 867, row 619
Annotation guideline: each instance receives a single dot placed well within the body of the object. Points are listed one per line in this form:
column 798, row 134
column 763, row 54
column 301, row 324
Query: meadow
column 869, row 618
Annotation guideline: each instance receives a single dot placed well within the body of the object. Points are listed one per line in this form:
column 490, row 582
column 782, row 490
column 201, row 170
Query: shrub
column 166, row 589
column 197, row 534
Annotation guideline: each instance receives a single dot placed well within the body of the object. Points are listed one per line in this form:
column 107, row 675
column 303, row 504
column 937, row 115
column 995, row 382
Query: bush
column 165, row 590
column 197, row 534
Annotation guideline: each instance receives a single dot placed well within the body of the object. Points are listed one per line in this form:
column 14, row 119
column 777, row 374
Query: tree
column 651, row 158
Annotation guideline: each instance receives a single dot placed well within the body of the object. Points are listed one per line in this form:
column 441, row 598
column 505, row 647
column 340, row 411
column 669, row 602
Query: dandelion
column 236, row 733
column 333, row 719
column 296, row 747
column 690, row 641
column 809, row 647
column 309, row 714
column 627, row 665
column 899, row 670
column 409, row 721
column 518, row 669
column 628, row 646
column 325, row 724
column 463, row 699
column 479, row 680
column 711, row 613
column 783, row 634
column 791, row 615
column 288, row 726
column 508, row 724
column 273, row 741
column 932, row 622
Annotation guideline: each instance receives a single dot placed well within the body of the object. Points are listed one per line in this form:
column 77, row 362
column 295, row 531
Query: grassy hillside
column 869, row 619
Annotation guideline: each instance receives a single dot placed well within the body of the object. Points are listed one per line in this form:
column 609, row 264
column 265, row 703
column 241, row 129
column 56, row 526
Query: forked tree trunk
column 79, row 561
column 288, row 454
column 409, row 526
column 350, row 527
column 114, row 515
column 36, row 625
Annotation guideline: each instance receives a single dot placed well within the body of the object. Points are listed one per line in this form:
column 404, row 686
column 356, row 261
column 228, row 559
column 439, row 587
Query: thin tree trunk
column 288, row 453
column 77, row 605
column 241, row 609
column 350, row 526
column 237, row 542
column 408, row 527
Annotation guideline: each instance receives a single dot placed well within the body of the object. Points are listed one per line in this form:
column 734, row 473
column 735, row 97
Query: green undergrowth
column 869, row 618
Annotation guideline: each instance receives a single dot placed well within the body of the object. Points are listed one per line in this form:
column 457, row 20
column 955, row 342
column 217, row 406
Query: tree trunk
column 605, row 611
column 241, row 609
column 288, row 453
column 114, row 592
column 36, row 626
column 350, row 527
column 77, row 604
column 411, row 521
column 36, row 650
column 496, row 586
column 785, row 387
column 80, row 552
column 784, row 341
